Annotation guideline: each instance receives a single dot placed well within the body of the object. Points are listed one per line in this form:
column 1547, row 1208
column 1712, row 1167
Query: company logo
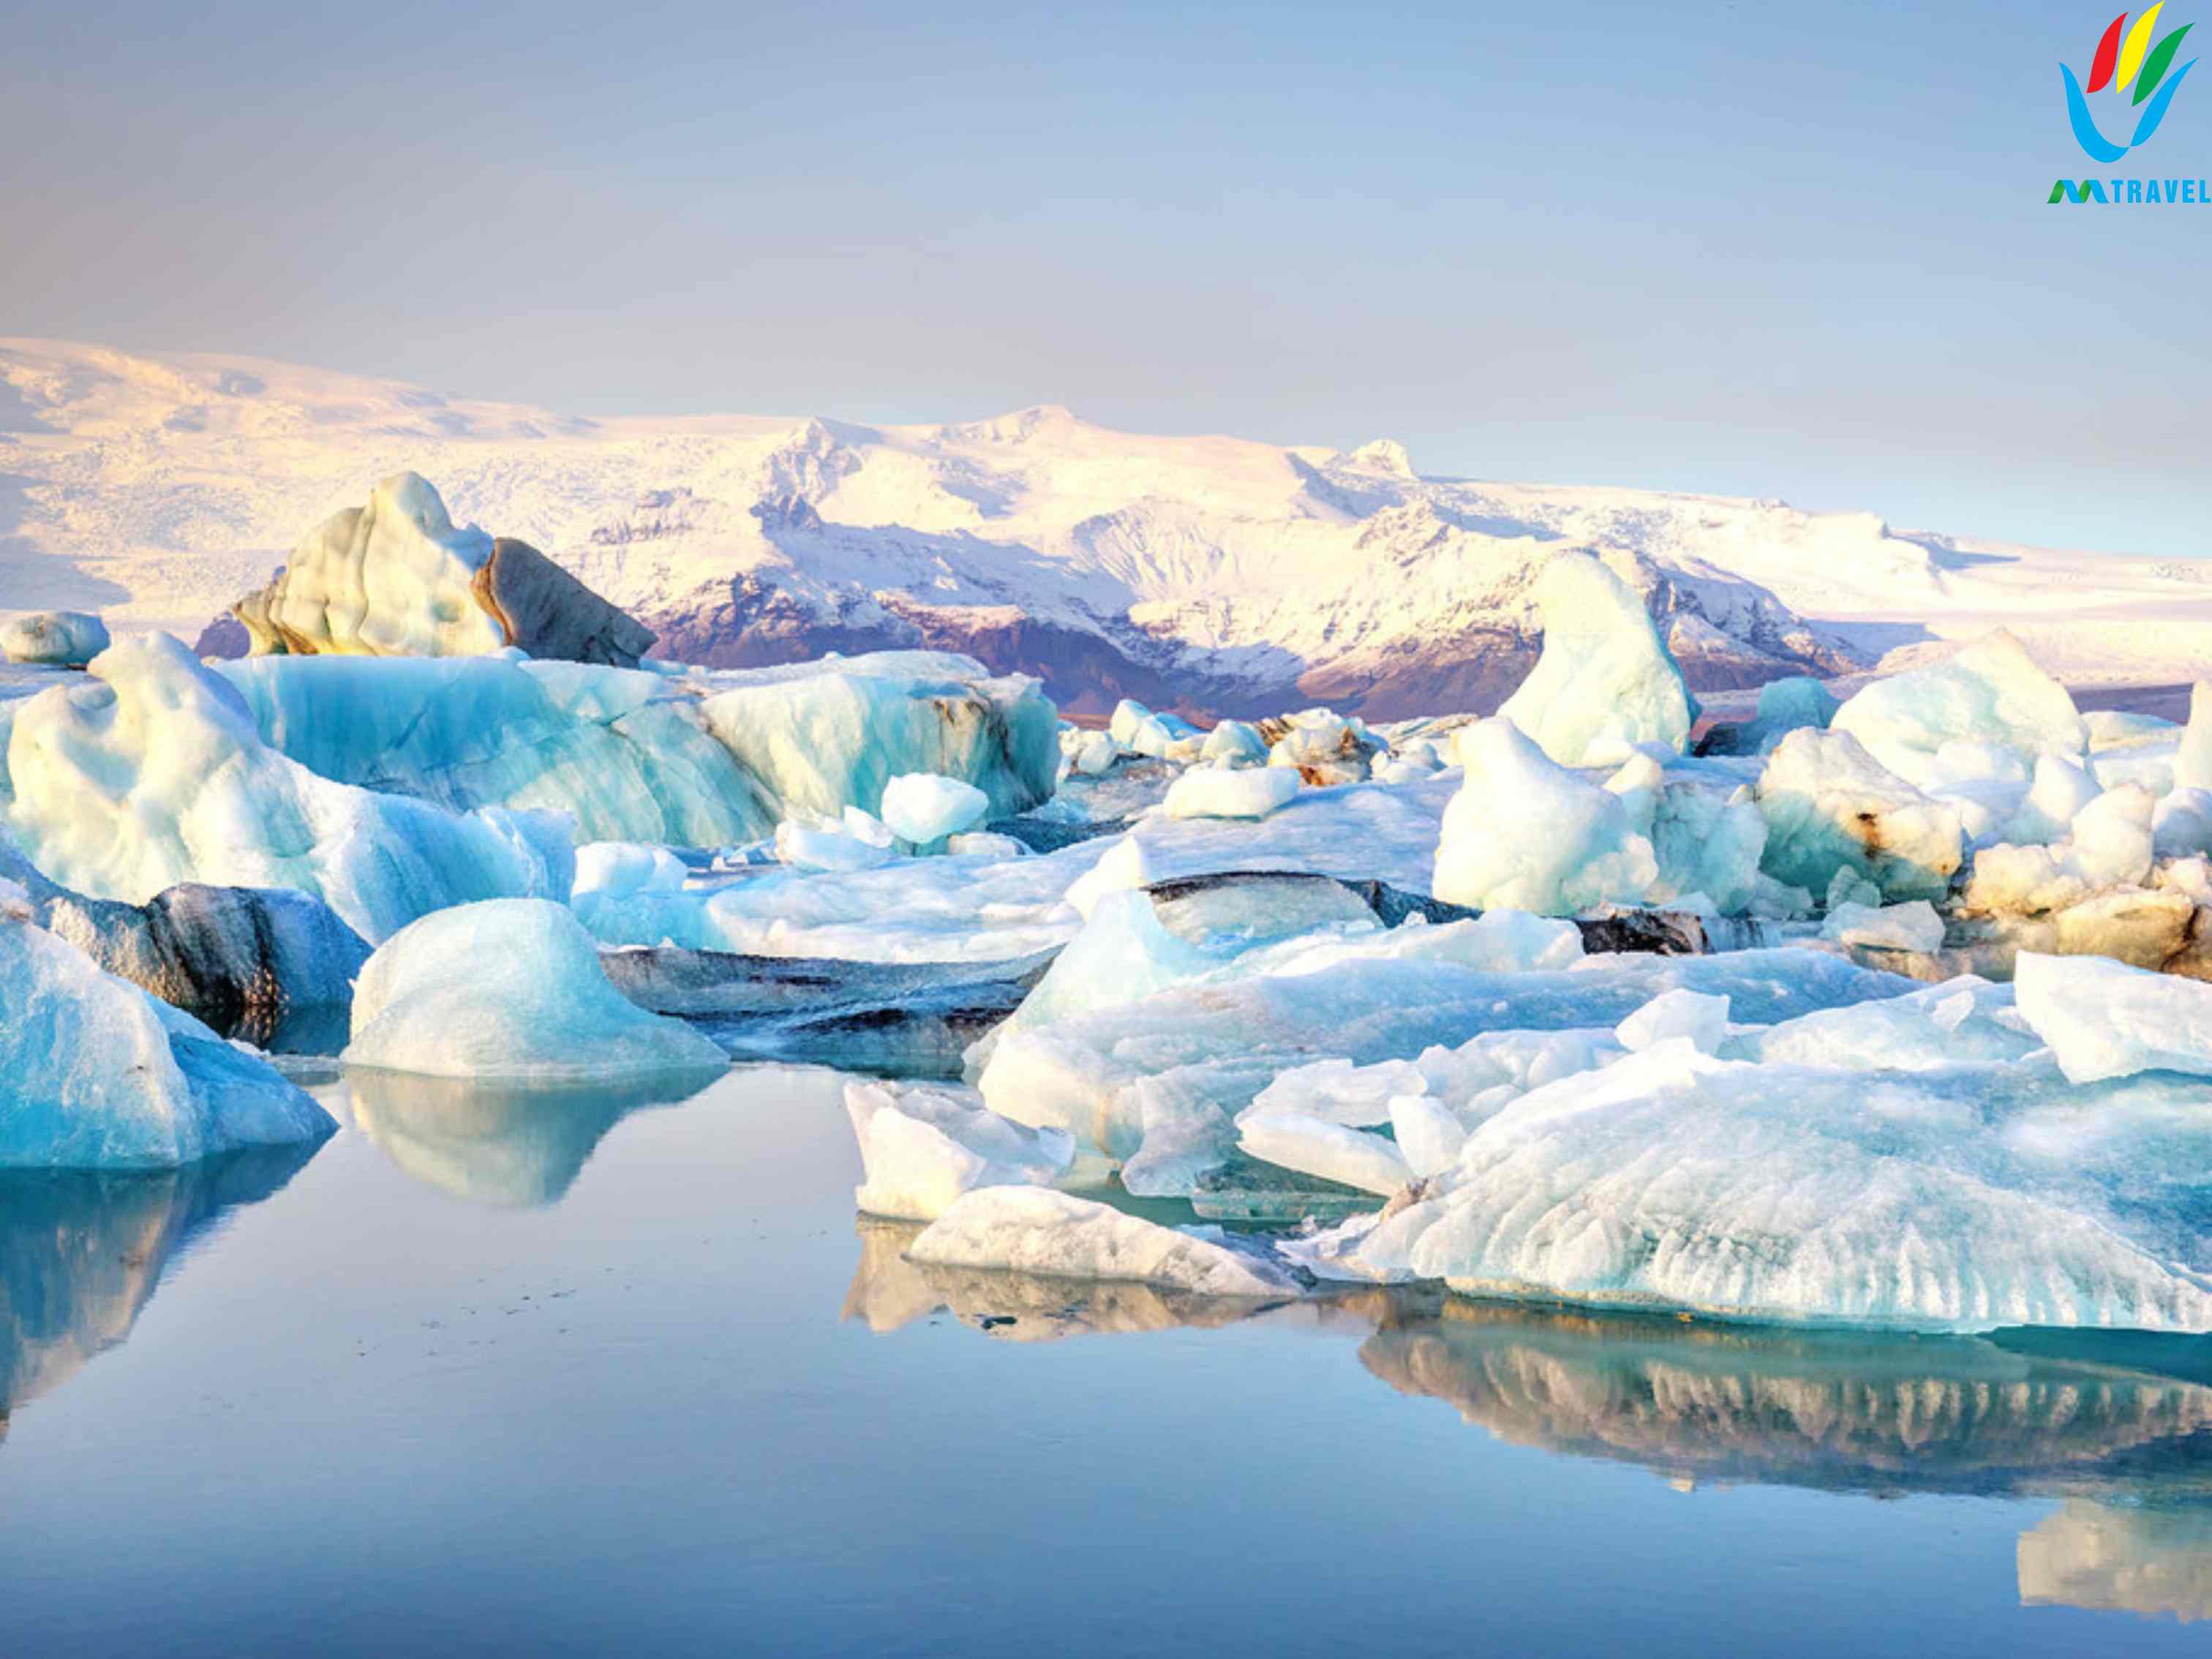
column 2136, row 72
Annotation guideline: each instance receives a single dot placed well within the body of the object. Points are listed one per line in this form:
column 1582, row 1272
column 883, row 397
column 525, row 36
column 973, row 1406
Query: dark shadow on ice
column 82, row 1251
column 906, row 1019
column 506, row 1145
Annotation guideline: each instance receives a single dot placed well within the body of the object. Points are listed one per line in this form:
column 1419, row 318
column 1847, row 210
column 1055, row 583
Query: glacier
column 54, row 639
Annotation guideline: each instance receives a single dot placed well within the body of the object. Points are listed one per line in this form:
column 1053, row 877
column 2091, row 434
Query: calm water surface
column 574, row 1375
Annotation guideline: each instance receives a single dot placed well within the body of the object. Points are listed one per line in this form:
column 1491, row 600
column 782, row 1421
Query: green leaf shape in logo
column 2160, row 59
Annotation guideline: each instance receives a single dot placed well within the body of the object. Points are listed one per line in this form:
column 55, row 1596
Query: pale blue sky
column 1785, row 250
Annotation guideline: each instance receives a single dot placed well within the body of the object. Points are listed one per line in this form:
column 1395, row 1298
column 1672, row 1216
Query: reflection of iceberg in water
column 1835, row 1411
column 504, row 1144
column 2120, row 1428
column 81, row 1252
column 2152, row 1560
column 888, row 1291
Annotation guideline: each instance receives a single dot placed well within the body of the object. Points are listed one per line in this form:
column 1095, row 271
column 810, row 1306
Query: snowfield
column 1210, row 572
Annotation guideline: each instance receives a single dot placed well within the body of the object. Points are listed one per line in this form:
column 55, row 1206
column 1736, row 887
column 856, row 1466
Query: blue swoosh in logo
column 2156, row 113
column 2085, row 128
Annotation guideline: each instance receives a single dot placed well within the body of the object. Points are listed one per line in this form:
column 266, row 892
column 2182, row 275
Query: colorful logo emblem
column 2121, row 63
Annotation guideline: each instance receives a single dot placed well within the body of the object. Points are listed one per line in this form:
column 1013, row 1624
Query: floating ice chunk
column 1786, row 705
column 626, row 753
column 1207, row 791
column 1917, row 1199
column 1914, row 926
column 921, row 808
column 1314, row 1147
column 1429, row 1133
column 622, row 869
column 1338, row 1092
column 831, row 735
column 1707, row 835
column 1990, row 693
column 508, row 988
column 151, row 773
column 982, row 844
column 60, row 639
column 2192, row 761
column 1325, row 748
column 398, row 578
column 1962, row 1020
column 830, row 843
column 1524, row 833
column 1140, row 732
column 1125, row 866
column 1092, row 753
column 2104, row 1019
column 923, row 1146
column 1829, row 805
column 1123, row 955
column 2061, row 789
column 1234, row 742
column 95, row 1074
column 2181, row 826
column 2111, row 845
column 1702, row 1020
column 1606, row 681
column 1037, row 1231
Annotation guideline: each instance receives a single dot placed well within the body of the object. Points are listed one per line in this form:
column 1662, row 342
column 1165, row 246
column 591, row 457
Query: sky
column 1796, row 251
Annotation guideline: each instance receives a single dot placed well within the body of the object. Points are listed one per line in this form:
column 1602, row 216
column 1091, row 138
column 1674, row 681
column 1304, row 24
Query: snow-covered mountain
column 1209, row 573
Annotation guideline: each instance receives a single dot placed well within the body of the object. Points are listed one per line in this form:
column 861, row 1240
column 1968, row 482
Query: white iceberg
column 1914, row 926
column 1992, row 693
column 1942, row 1199
column 509, row 988
column 152, row 773
column 1606, row 681
column 398, row 578
column 1207, row 791
column 1234, row 742
column 1524, row 833
column 923, row 1146
column 2104, row 1019
column 921, row 808
column 56, row 639
column 1034, row 1230
column 95, row 1074
column 1314, row 1147
column 1831, row 806
column 821, row 737
column 624, row 752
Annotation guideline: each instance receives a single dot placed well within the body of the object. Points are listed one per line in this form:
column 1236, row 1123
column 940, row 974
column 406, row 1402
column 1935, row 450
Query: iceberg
column 1606, row 681
column 1207, row 791
column 398, row 578
column 1990, row 694
column 1035, row 1230
column 1329, row 1151
column 1831, row 806
column 1914, row 926
column 2110, row 843
column 151, row 773
column 2106, row 1020
column 921, row 1148
column 95, row 1074
column 509, row 988
column 1524, row 833
column 625, row 753
column 821, row 737
column 53, row 639
column 1234, row 742
column 1137, row 730
column 922, row 807
column 1960, row 1198
column 1325, row 748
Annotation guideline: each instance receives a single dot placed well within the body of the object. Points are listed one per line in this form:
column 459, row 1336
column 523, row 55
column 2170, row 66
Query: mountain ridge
column 1212, row 573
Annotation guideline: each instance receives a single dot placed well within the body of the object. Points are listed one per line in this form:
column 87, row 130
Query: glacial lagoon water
column 583, row 1374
